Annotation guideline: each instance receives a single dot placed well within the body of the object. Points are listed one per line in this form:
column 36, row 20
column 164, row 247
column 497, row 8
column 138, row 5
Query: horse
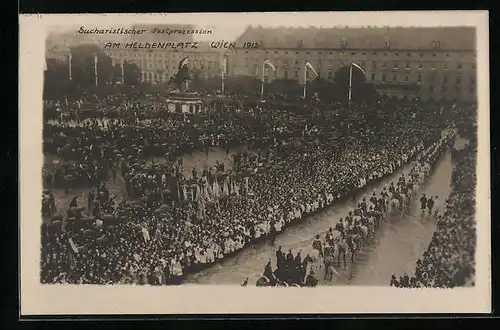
column 315, row 259
column 394, row 206
column 328, row 261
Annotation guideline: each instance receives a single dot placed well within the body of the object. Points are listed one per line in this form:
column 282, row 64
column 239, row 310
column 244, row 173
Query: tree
column 82, row 64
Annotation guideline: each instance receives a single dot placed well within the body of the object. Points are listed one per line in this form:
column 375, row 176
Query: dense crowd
column 450, row 258
column 173, row 223
column 349, row 235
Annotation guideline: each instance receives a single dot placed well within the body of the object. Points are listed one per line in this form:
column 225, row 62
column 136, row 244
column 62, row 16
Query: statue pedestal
column 184, row 102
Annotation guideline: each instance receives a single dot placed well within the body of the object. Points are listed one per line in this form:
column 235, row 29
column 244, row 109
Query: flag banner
column 73, row 245
column 223, row 65
column 357, row 66
column 225, row 188
column 310, row 67
column 269, row 64
column 145, row 234
column 198, row 192
column 184, row 63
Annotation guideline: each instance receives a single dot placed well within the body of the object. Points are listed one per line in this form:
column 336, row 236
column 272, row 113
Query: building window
column 353, row 53
column 383, row 76
column 396, row 54
column 420, row 66
column 285, row 74
column 447, row 55
column 444, row 89
column 374, row 54
column 433, row 67
column 330, row 62
column 341, row 63
column 395, row 66
column 341, row 53
column 434, row 54
column 408, row 65
column 472, row 80
column 445, row 80
column 384, row 64
column 329, row 74
column 419, row 78
column 431, row 89
column 296, row 62
column 472, row 90
column 373, row 76
column 296, row 74
column 374, row 64
column 407, row 77
column 408, row 54
column 446, row 66
column 473, row 65
column 394, row 77
column 459, row 80
column 319, row 62
column 459, row 66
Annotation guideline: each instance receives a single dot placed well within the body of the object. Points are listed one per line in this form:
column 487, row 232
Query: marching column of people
column 351, row 233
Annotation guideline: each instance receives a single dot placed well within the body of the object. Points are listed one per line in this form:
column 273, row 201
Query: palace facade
column 437, row 63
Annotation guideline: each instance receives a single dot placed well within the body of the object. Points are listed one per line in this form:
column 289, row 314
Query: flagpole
column 262, row 86
column 123, row 75
column 223, row 69
column 350, row 85
column 95, row 70
column 305, row 80
column 69, row 66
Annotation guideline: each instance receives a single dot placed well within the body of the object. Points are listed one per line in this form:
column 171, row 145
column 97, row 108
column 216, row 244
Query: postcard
column 222, row 163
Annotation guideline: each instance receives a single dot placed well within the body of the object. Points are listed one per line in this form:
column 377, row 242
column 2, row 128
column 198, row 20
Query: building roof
column 400, row 38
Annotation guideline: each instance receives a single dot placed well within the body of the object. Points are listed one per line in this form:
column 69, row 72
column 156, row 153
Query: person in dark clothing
column 373, row 199
column 268, row 270
column 273, row 232
column 245, row 282
column 90, row 199
column 423, row 203
column 280, row 258
column 317, row 245
column 340, row 226
column 430, row 205
column 394, row 281
column 289, row 258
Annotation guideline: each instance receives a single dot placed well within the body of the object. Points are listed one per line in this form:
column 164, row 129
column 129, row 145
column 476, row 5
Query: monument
column 181, row 100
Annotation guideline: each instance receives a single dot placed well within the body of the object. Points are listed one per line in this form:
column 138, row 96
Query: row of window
column 445, row 79
column 374, row 76
column 342, row 53
column 374, row 64
column 154, row 55
column 163, row 77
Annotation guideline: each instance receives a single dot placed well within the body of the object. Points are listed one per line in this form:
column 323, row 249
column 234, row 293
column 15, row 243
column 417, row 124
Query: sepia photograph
column 189, row 152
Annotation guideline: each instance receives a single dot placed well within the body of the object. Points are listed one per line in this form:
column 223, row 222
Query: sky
column 228, row 26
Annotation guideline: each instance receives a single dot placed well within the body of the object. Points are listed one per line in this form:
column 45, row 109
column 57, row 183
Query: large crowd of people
column 449, row 261
column 170, row 223
column 349, row 235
